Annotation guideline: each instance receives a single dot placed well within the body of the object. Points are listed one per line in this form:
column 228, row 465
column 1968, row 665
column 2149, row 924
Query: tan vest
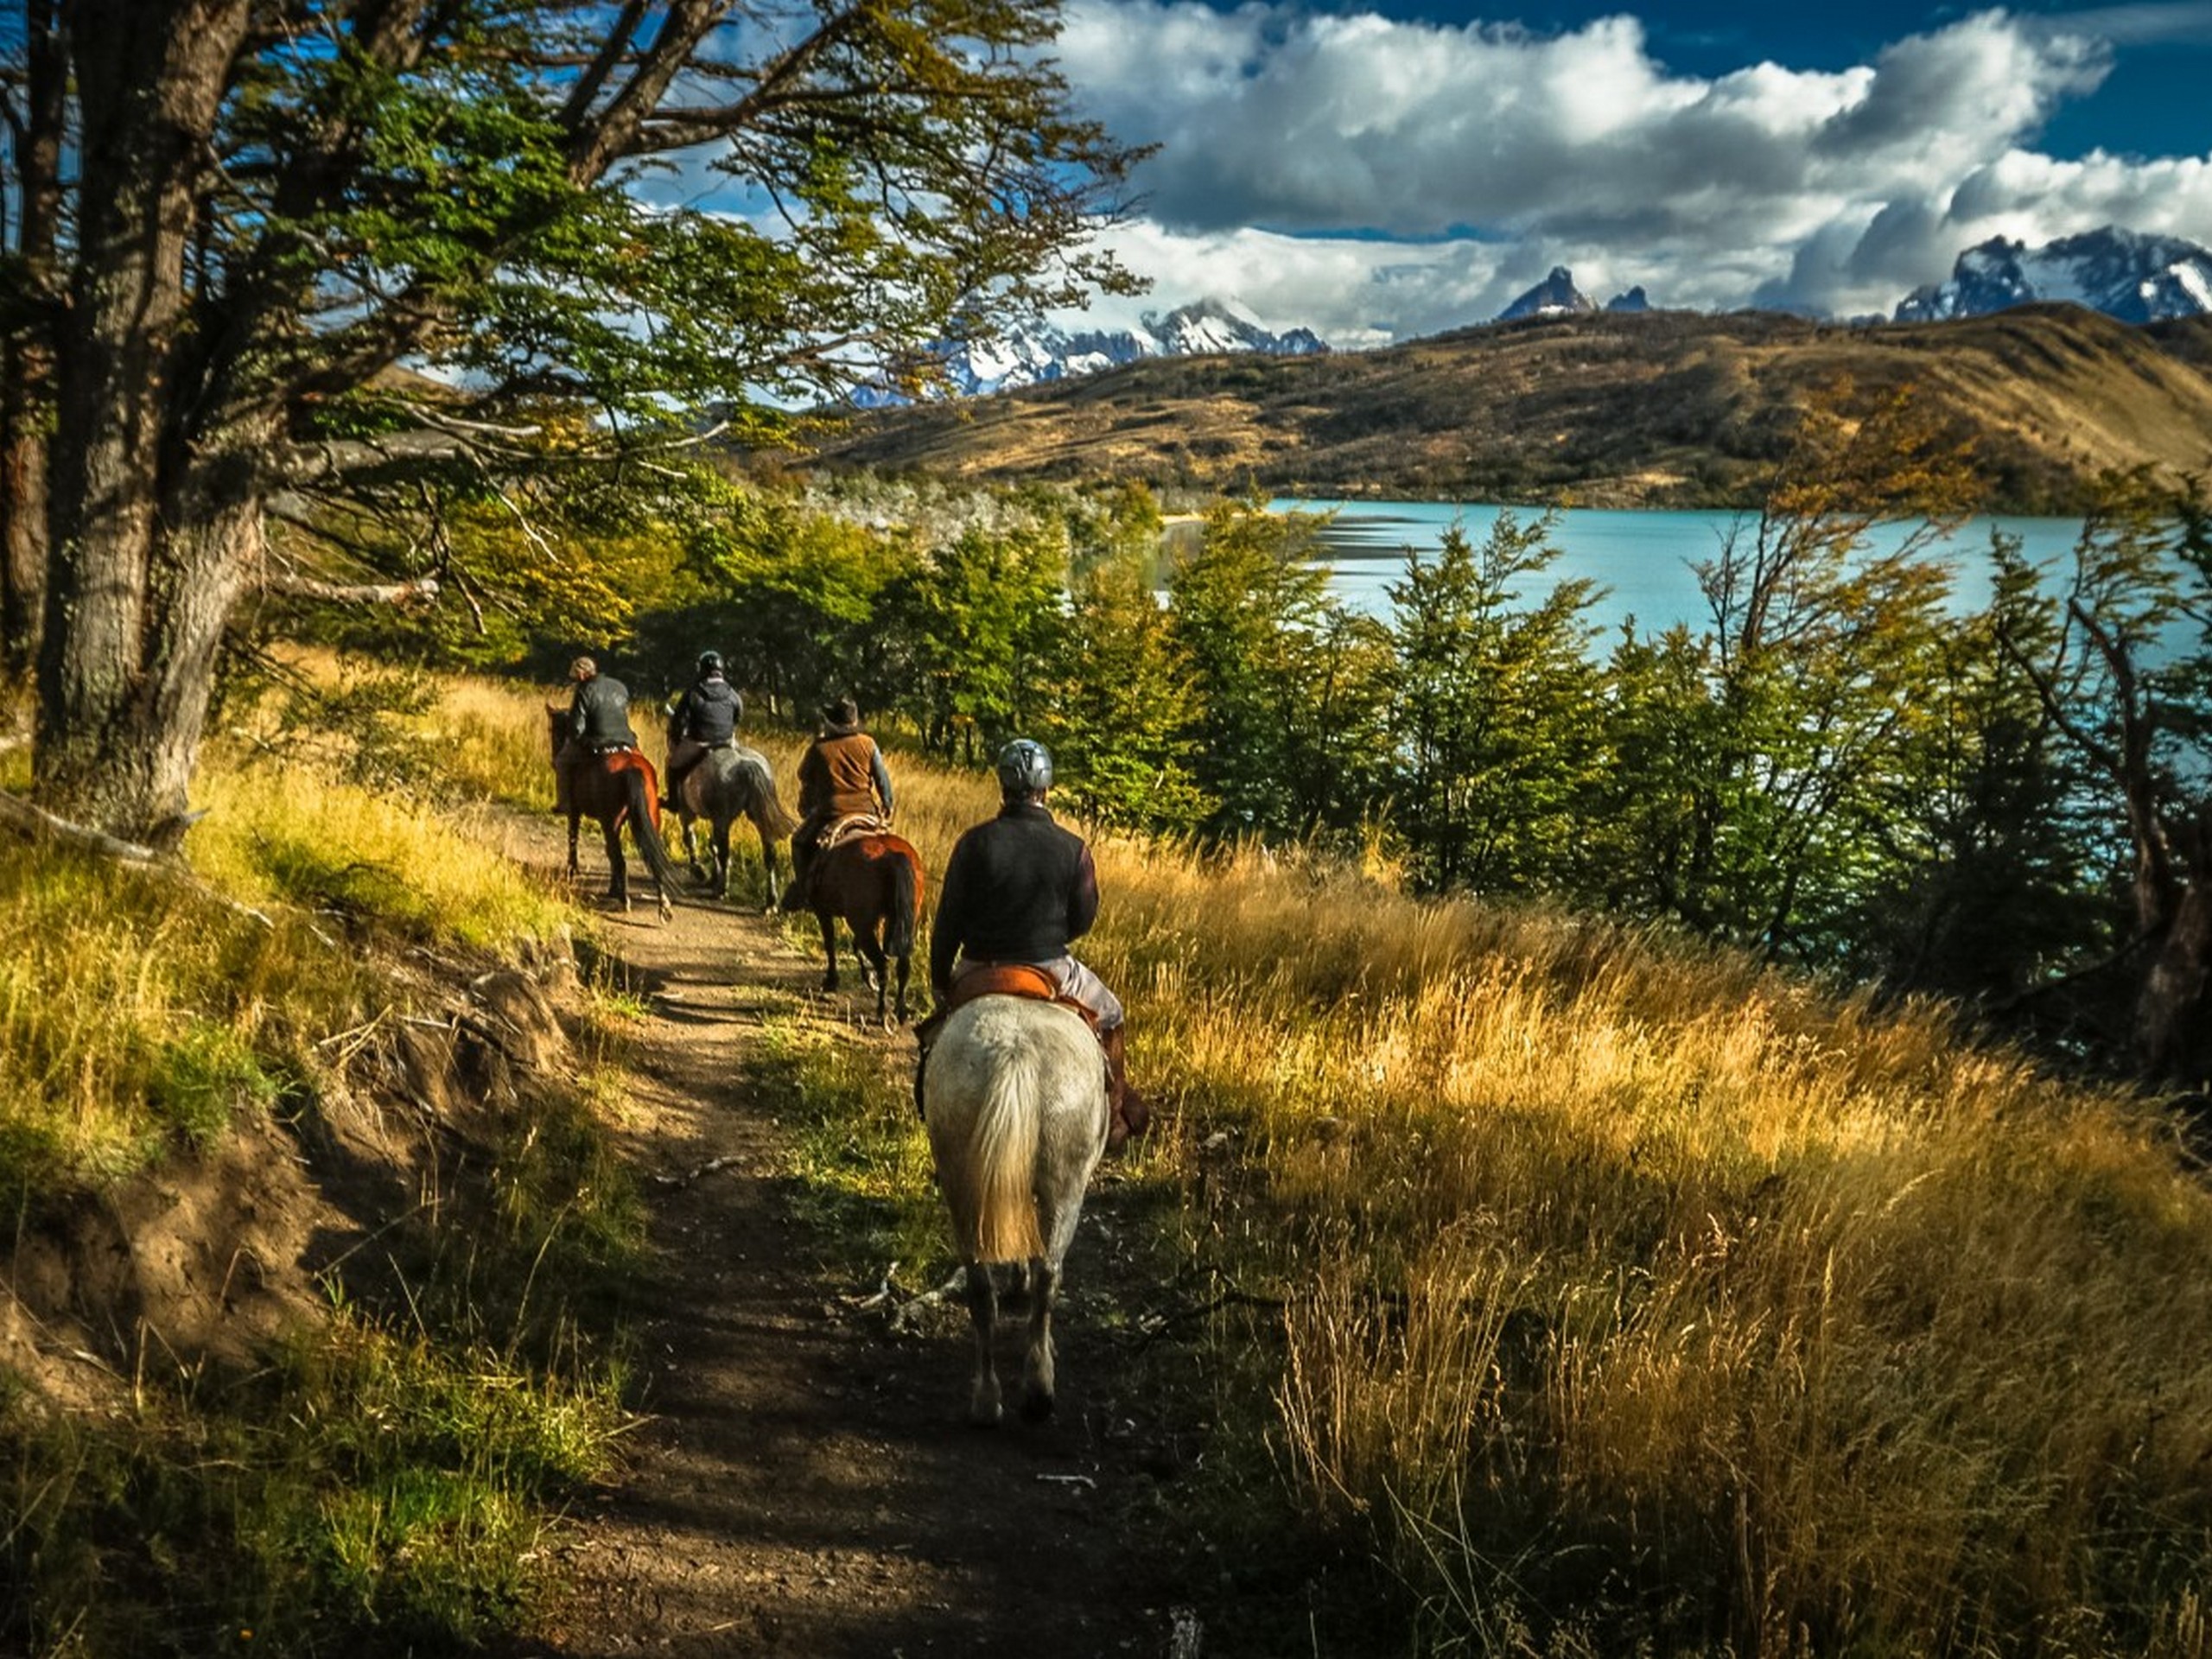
column 835, row 779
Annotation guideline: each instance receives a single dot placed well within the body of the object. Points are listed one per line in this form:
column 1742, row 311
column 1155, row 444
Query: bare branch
column 402, row 593
column 36, row 823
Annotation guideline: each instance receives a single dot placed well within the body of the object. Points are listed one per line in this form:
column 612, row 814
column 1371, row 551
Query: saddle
column 1010, row 978
column 851, row 827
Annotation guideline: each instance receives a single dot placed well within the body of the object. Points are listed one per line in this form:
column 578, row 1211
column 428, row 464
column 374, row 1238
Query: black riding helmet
column 1025, row 768
column 710, row 662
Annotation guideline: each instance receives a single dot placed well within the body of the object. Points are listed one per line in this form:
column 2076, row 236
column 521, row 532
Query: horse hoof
column 983, row 1416
column 1036, row 1408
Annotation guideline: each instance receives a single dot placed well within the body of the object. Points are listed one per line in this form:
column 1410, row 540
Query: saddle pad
column 851, row 828
column 1013, row 979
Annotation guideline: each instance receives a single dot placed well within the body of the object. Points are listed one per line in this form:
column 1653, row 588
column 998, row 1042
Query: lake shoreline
column 1643, row 559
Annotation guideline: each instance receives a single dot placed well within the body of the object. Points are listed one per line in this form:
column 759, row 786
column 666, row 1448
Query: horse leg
column 906, row 967
column 575, row 821
column 768, row 864
column 983, row 1311
column 1059, row 1206
column 1037, row 1363
column 718, row 841
column 691, row 848
column 618, row 873
column 878, row 966
column 829, row 949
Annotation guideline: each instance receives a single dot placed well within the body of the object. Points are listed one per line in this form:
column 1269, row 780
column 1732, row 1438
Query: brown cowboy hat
column 841, row 714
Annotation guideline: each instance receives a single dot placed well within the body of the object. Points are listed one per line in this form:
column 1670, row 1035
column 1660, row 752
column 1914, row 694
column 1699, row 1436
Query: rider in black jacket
column 705, row 718
column 1019, row 888
column 599, row 720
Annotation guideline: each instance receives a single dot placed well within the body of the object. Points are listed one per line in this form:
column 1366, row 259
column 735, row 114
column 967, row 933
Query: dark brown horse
column 614, row 787
column 874, row 882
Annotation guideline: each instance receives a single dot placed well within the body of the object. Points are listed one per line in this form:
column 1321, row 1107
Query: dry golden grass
column 1637, row 1293
column 136, row 1010
column 1607, row 1248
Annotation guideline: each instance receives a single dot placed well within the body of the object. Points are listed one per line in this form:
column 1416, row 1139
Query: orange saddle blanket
column 1011, row 979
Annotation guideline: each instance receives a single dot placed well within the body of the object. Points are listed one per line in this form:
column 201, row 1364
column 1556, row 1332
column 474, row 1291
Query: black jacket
column 1019, row 888
column 600, row 716
column 708, row 713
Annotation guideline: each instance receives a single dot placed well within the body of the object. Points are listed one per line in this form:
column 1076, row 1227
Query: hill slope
column 1659, row 409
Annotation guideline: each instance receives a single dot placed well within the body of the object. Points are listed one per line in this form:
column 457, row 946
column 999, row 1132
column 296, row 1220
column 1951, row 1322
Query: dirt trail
column 806, row 1483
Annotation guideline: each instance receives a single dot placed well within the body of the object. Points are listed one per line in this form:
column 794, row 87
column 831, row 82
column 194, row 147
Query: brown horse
column 874, row 883
column 616, row 786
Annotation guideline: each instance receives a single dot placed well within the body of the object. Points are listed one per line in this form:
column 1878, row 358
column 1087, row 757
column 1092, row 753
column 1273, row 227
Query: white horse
column 1014, row 1096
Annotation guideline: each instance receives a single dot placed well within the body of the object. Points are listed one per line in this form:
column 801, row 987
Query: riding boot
column 795, row 892
column 672, row 781
column 1130, row 1114
column 924, row 1040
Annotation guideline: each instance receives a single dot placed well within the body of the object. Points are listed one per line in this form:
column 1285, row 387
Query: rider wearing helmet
column 599, row 720
column 704, row 718
column 1019, row 888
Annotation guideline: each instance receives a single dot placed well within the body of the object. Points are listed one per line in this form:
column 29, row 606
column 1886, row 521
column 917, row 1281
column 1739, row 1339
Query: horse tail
column 644, row 824
column 898, row 926
column 989, row 1174
column 767, row 815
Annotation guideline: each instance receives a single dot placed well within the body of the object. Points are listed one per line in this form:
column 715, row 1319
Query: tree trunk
column 27, row 364
column 22, row 508
column 152, row 521
column 2173, row 1008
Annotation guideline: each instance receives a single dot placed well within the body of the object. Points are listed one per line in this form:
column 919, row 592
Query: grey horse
column 1015, row 1102
column 730, row 783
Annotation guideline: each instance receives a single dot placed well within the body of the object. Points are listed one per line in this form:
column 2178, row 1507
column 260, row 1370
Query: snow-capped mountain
column 1555, row 296
column 1027, row 355
column 2124, row 274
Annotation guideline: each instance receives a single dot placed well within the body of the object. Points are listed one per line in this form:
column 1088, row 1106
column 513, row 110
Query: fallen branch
column 1153, row 1326
column 35, row 822
column 422, row 589
column 706, row 1168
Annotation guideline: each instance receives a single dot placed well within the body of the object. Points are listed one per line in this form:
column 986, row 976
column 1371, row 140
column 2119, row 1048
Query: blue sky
column 1393, row 168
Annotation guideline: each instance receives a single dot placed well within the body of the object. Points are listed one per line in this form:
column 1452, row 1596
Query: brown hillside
column 1662, row 409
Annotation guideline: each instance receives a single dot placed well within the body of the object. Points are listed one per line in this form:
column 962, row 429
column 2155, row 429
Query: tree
column 1768, row 762
column 275, row 201
column 1996, row 848
column 2123, row 662
column 979, row 616
column 1492, row 711
column 795, row 597
column 1288, row 685
column 1121, row 712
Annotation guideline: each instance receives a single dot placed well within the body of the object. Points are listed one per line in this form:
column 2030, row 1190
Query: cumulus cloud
column 1374, row 179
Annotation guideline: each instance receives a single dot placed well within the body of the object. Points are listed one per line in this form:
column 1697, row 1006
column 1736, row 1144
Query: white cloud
column 1406, row 177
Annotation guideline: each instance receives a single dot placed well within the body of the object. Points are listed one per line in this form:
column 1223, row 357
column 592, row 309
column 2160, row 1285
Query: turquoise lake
column 1644, row 562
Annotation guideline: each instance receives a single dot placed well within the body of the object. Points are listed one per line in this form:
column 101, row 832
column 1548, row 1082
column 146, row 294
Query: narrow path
column 806, row 1484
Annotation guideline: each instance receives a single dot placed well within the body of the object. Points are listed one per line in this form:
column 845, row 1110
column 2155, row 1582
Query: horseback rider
column 1017, row 889
column 841, row 775
column 599, row 720
column 704, row 718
